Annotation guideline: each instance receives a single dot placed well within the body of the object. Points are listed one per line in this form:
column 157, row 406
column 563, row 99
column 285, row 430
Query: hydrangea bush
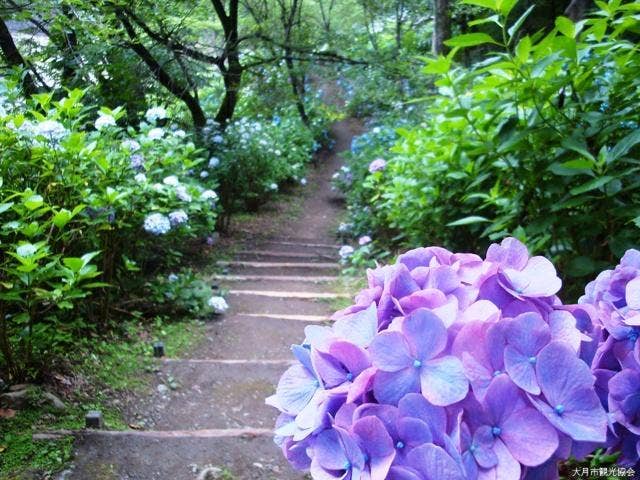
column 612, row 303
column 448, row 366
column 85, row 203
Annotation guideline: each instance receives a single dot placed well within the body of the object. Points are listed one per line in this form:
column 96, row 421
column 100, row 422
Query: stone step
column 152, row 457
column 279, row 268
column 278, row 305
column 288, row 294
column 275, row 256
column 290, row 247
column 210, row 396
column 246, row 337
column 301, row 241
column 277, row 282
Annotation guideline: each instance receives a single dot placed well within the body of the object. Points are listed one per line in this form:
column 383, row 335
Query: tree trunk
column 297, row 87
column 441, row 26
column 162, row 76
column 14, row 59
column 232, row 72
column 577, row 9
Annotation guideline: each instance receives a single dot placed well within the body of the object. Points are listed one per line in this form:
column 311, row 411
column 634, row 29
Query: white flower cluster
column 345, row 252
column 157, row 224
column 219, row 305
column 131, row 145
column 50, row 129
column 178, row 217
column 104, row 120
column 209, row 195
column 155, row 133
column 155, row 113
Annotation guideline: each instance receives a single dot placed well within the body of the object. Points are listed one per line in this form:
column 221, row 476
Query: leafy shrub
column 85, row 204
column 446, row 363
column 539, row 140
column 259, row 156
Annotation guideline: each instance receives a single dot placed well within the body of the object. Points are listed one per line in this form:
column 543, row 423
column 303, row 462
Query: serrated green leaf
column 566, row 27
column 623, row 146
column 468, row 220
column 470, row 40
column 513, row 29
column 591, row 185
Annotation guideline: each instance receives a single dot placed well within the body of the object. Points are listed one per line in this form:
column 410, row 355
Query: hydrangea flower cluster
column 178, row 218
column 377, row 165
column 612, row 303
column 448, row 366
column 154, row 114
column 218, row 304
column 157, row 224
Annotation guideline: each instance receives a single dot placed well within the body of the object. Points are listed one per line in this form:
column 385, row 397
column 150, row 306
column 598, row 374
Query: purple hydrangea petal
column 482, row 447
column 511, row 253
column 426, row 333
column 390, row 352
column 415, row 405
column 521, row 369
column 443, row 381
column 390, row 387
column 403, row 473
column 329, row 452
column 295, row 389
column 529, row 437
column 632, row 294
column 537, row 279
column 358, row 328
column 414, row 432
column 377, row 444
column 434, row 463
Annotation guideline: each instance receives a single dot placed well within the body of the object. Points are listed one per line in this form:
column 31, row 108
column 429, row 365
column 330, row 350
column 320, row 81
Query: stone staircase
column 217, row 417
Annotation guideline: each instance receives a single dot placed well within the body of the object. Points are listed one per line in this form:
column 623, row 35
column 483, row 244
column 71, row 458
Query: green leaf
column 566, row 27
column 623, row 146
column 523, row 49
column 505, row 6
column 470, row 40
column 5, row 206
column 438, row 66
column 481, row 21
column 591, row 185
column 32, row 202
column 513, row 29
column 468, row 220
column 61, row 218
column 579, row 166
column 578, row 146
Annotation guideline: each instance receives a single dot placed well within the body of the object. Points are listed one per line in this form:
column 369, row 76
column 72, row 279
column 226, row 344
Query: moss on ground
column 104, row 371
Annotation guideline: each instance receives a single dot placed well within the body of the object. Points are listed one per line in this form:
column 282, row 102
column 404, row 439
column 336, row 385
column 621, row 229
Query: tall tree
column 441, row 26
column 14, row 58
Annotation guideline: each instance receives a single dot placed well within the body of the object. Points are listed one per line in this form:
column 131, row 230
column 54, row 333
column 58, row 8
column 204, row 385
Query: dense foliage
column 538, row 140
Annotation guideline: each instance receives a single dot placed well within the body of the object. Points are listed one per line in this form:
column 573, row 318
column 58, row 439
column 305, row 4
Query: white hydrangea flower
column 178, row 217
column 140, row 178
column 26, row 250
column 217, row 139
column 273, row 187
column 303, row 181
column 157, row 224
column 219, row 305
column 204, row 174
column 155, row 113
column 214, row 162
column 172, row 277
column 345, row 251
column 104, row 120
column 155, row 133
column 208, row 195
column 183, row 194
column 171, row 180
column 49, row 128
column 180, row 133
column 131, row 145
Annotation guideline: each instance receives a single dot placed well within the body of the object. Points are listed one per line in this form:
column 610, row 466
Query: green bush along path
column 217, row 418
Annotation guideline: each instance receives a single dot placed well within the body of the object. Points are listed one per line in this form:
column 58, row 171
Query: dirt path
column 217, row 416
